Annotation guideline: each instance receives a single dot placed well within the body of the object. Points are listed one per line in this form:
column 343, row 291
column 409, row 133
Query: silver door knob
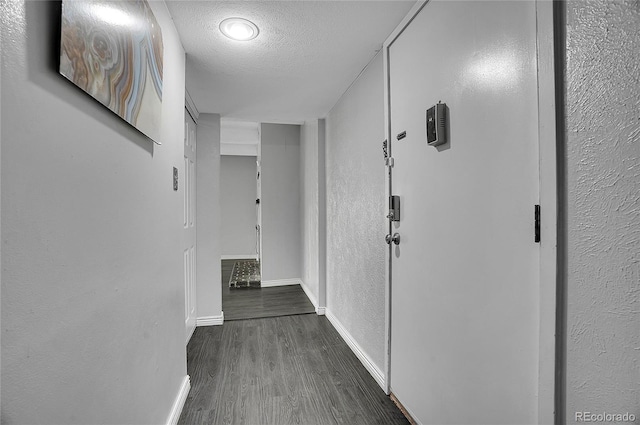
column 395, row 238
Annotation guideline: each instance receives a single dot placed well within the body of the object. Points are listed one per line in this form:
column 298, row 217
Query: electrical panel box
column 437, row 124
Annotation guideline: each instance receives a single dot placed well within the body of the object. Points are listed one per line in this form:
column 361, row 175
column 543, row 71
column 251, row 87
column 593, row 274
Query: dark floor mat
column 245, row 274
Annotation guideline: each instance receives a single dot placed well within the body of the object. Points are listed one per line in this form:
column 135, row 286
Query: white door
column 189, row 224
column 258, row 212
column 464, row 297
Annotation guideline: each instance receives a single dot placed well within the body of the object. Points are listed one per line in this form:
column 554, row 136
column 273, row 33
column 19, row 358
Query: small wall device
column 437, row 124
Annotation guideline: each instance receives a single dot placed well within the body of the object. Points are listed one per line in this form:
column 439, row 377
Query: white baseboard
column 178, row 403
column 210, row 320
column 357, row 350
column 280, row 282
column 319, row 310
column 239, row 257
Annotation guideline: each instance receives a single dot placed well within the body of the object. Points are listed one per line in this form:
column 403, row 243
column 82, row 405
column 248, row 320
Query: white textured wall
column 92, row 294
column 603, row 207
column 309, row 206
column 280, row 175
column 208, row 218
column 239, row 138
column 238, row 195
column 355, row 211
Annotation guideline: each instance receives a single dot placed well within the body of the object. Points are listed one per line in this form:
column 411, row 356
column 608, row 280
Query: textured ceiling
column 305, row 57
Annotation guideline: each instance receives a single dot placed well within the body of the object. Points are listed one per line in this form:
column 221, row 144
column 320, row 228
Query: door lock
column 395, row 239
column 394, row 208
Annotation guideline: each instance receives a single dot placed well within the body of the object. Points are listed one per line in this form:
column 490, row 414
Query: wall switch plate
column 175, row 178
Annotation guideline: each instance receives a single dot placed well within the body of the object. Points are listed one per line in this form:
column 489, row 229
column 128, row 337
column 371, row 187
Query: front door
column 189, row 224
column 464, row 297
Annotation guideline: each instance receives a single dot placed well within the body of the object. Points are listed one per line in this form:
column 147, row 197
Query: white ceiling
column 305, row 57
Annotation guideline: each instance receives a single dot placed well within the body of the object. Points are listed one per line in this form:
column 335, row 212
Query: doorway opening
column 261, row 268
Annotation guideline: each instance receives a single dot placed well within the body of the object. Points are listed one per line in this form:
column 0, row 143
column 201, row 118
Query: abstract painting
column 113, row 50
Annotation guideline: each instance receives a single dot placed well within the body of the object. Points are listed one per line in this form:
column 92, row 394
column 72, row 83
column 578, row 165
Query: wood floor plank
column 280, row 371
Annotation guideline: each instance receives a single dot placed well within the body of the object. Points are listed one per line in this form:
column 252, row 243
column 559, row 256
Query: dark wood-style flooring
column 253, row 303
column 280, row 371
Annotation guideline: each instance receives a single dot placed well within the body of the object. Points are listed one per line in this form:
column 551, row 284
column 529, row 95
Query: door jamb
column 190, row 106
column 192, row 112
column 548, row 200
column 545, row 53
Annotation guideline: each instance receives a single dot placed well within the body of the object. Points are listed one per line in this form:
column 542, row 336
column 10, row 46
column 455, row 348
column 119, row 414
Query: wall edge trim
column 178, row 403
column 310, row 295
column 210, row 320
column 366, row 361
column 281, row 282
column 239, row 257
column 190, row 106
column 191, row 334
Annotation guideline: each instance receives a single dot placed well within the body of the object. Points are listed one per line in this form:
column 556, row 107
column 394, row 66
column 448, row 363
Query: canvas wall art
column 113, row 50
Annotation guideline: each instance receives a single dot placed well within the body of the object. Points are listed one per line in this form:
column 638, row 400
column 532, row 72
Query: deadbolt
column 394, row 208
column 395, row 238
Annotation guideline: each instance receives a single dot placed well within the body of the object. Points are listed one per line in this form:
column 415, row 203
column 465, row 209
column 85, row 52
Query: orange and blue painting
column 113, row 51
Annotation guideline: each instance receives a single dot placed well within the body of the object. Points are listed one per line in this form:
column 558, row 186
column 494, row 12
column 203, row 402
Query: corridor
column 278, row 371
column 507, row 291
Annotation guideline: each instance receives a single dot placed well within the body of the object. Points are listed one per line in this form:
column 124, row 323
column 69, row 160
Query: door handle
column 395, row 239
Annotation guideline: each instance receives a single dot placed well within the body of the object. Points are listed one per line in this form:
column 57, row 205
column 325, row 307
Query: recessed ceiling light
column 239, row 29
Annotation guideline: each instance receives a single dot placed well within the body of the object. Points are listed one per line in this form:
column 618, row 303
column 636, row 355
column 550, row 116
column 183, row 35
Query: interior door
column 464, row 309
column 189, row 224
column 258, row 212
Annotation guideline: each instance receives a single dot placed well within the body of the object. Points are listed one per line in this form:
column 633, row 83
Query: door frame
column 547, row 198
column 188, row 186
column 259, row 195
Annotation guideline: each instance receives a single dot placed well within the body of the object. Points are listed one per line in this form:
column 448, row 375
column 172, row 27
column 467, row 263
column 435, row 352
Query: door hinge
column 175, row 178
column 536, row 222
